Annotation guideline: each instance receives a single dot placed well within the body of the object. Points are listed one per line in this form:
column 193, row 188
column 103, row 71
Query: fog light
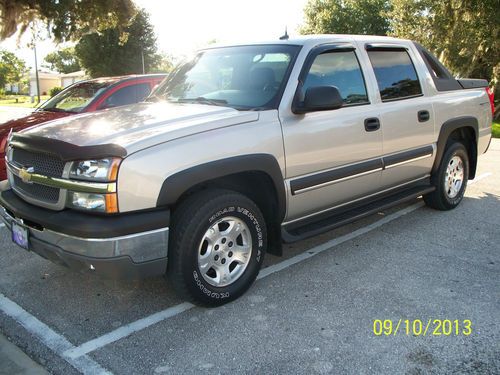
column 93, row 202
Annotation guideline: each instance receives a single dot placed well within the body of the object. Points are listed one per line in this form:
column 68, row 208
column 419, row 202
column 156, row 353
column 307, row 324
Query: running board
column 311, row 227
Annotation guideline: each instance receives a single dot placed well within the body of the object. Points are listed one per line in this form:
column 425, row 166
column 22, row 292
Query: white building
column 70, row 78
column 49, row 80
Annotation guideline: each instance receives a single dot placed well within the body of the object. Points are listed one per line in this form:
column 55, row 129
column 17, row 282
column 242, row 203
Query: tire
column 217, row 247
column 449, row 192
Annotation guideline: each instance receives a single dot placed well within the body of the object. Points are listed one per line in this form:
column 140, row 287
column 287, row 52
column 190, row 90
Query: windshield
column 246, row 77
column 75, row 98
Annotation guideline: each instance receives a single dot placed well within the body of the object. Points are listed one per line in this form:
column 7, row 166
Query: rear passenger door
column 406, row 116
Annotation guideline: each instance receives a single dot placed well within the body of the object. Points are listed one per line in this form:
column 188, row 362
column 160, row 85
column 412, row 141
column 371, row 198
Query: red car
column 82, row 97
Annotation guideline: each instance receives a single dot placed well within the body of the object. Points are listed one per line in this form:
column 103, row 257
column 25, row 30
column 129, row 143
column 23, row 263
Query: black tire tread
column 185, row 213
column 436, row 199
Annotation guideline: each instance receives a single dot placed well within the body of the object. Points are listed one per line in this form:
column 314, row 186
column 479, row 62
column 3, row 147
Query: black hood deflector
column 64, row 150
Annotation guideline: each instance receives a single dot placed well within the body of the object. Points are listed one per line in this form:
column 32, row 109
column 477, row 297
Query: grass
column 20, row 101
column 495, row 129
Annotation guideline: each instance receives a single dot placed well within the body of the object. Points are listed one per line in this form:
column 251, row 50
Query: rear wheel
column 217, row 247
column 450, row 179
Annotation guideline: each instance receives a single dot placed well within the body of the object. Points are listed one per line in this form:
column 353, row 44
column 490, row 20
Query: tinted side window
column 396, row 75
column 339, row 69
column 128, row 95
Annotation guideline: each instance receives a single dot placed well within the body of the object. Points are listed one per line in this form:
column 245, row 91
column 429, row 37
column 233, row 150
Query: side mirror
column 319, row 98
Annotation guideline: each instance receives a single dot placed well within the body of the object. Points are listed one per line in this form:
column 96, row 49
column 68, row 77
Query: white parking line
column 127, row 330
column 77, row 355
column 336, row 241
column 54, row 341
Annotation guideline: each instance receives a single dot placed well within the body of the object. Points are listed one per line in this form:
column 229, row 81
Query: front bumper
column 131, row 245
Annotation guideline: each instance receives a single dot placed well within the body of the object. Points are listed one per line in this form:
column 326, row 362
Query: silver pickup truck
column 239, row 150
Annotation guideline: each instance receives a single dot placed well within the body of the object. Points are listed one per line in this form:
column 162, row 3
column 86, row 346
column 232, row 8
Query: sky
column 183, row 26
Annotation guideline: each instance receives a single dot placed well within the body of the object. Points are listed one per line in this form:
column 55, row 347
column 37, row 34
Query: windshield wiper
column 153, row 98
column 202, row 100
column 56, row 110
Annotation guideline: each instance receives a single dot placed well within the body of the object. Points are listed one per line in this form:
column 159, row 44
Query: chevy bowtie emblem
column 25, row 174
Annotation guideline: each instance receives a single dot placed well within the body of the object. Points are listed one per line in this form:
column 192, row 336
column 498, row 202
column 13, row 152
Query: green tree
column 346, row 17
column 164, row 65
column 12, row 68
column 464, row 34
column 65, row 19
column 63, row 60
column 106, row 54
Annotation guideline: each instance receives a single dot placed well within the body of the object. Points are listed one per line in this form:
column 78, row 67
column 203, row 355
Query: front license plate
column 20, row 235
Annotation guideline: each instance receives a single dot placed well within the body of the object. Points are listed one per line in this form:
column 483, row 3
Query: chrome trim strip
column 304, row 190
column 408, row 161
column 355, row 200
column 408, row 156
column 119, row 238
column 84, row 187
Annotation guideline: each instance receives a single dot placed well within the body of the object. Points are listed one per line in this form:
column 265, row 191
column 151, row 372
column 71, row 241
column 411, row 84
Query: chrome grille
column 39, row 192
column 43, row 164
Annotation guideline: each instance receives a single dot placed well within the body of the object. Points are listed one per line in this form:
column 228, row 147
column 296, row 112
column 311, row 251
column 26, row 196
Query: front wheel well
column 257, row 186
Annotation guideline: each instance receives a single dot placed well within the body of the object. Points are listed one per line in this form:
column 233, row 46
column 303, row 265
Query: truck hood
column 141, row 125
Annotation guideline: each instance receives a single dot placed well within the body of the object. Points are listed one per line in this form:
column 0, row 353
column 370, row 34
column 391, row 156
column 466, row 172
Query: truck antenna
column 285, row 36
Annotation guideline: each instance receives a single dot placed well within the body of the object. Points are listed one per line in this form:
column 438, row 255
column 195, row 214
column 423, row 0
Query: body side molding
column 307, row 183
column 407, row 156
column 177, row 184
column 347, row 172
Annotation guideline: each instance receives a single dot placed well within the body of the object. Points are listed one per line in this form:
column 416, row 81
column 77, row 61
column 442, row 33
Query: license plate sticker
column 20, row 235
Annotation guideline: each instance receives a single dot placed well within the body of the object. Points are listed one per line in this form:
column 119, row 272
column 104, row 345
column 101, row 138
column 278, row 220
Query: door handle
column 372, row 124
column 423, row 116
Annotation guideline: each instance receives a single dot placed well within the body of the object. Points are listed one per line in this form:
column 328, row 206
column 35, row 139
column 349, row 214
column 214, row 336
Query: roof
column 79, row 73
column 44, row 75
column 315, row 39
column 125, row 78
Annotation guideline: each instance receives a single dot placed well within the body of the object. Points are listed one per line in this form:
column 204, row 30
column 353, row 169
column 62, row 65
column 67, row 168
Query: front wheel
column 217, row 247
column 450, row 179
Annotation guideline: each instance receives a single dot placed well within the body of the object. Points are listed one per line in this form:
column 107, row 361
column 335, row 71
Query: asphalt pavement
column 311, row 311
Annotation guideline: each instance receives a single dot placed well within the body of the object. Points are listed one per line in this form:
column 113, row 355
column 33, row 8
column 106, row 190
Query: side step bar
column 311, row 227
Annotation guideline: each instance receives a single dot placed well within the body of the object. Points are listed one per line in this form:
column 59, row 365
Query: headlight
column 105, row 203
column 95, row 170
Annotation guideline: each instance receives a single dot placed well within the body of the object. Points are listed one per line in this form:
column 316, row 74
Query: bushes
column 55, row 90
column 495, row 130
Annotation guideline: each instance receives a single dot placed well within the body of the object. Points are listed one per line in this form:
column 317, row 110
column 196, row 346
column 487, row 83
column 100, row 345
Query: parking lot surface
column 311, row 311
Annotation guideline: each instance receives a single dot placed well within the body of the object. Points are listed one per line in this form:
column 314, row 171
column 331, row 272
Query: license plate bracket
column 20, row 235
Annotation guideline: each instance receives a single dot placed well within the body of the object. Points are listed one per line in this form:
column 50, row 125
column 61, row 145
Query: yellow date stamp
column 419, row 327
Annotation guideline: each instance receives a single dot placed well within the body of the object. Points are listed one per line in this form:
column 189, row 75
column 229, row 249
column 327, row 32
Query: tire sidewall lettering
column 259, row 243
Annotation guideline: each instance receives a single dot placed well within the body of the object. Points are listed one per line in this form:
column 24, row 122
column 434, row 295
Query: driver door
column 332, row 157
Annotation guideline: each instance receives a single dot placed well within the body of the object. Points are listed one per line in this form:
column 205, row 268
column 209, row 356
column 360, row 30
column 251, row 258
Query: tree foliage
column 165, row 64
column 106, row 54
column 346, row 17
column 12, row 68
column 63, row 60
column 464, row 34
column 65, row 19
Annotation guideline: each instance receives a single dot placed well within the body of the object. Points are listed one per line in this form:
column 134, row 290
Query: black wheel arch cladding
column 177, row 184
column 447, row 129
